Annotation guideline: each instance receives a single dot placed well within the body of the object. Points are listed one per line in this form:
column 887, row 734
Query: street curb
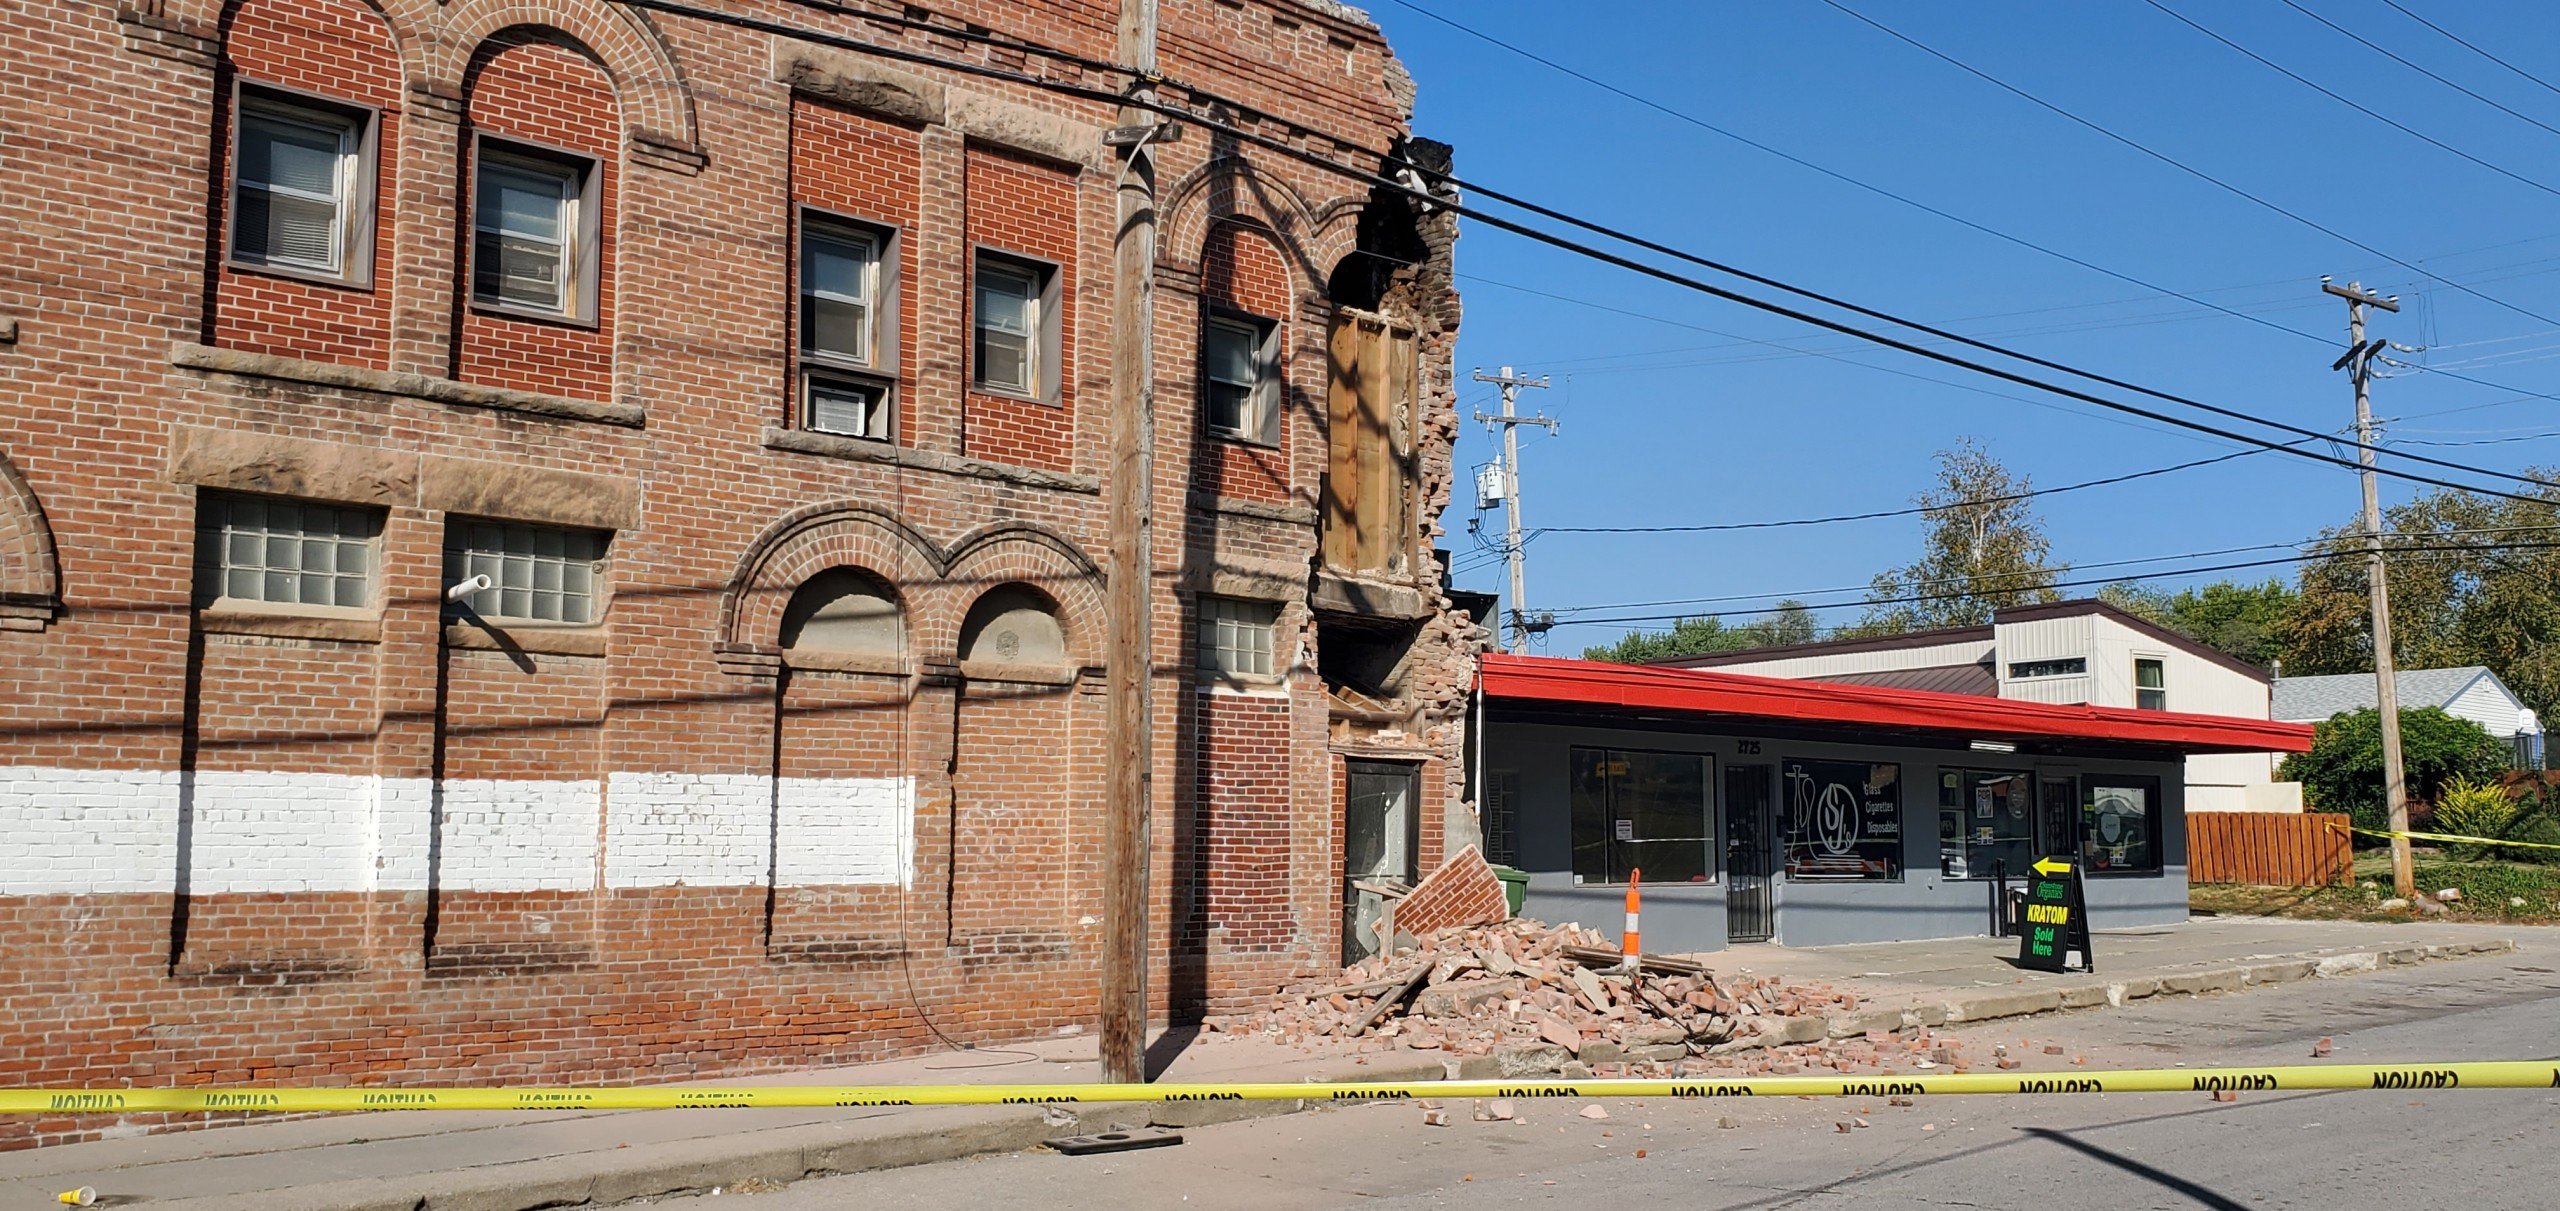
column 2093, row 993
column 923, row 1137
column 932, row 1136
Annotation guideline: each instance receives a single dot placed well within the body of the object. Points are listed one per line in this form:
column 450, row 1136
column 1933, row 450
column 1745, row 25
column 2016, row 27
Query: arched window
column 1013, row 624
column 844, row 610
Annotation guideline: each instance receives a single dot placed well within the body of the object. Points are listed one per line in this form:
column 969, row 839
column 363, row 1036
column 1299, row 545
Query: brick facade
column 399, row 842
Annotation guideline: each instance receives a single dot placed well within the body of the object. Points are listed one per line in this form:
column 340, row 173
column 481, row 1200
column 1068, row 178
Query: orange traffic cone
column 1632, row 946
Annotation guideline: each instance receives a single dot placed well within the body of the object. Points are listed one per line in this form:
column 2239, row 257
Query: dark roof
column 2026, row 613
column 1977, row 679
column 1874, row 643
column 1598, row 685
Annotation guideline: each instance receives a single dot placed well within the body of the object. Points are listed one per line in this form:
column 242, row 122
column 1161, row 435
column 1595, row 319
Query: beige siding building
column 2071, row 652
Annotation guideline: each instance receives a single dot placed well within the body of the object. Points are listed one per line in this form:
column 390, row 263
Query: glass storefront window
column 1986, row 823
column 1842, row 820
column 1637, row 810
column 2120, row 824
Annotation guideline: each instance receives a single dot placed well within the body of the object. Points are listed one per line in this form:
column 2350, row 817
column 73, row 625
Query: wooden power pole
column 1129, row 749
column 2358, row 363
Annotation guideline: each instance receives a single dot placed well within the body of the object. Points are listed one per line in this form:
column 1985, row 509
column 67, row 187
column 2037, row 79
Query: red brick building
column 764, row 380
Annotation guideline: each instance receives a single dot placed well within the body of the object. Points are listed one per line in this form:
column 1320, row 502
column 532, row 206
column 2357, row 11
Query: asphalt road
column 2120, row 1152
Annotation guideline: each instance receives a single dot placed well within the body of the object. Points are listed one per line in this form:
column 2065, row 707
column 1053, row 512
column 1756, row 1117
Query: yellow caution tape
column 2497, row 1074
column 2458, row 840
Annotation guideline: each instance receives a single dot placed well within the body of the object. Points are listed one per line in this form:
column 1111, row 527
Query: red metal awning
column 1737, row 695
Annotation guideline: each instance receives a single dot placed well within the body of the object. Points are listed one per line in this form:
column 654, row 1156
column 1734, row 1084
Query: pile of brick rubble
column 1542, row 999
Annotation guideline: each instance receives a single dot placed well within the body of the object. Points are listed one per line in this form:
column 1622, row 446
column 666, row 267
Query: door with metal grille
column 1380, row 839
column 1750, row 899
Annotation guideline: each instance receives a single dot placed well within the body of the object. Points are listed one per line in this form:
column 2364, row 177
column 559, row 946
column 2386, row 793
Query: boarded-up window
column 1369, row 474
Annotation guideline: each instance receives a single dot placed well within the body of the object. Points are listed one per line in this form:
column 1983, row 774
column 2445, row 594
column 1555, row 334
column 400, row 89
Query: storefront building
column 1807, row 813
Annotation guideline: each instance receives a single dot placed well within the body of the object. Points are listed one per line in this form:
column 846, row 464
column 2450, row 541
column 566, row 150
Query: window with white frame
column 533, row 232
column 297, row 185
column 540, row 574
column 1236, row 636
column 2067, row 666
column 1240, row 376
column 266, row 550
column 844, row 353
column 1016, row 327
column 2151, row 683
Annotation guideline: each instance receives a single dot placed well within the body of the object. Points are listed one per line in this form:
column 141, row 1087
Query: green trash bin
column 1515, row 887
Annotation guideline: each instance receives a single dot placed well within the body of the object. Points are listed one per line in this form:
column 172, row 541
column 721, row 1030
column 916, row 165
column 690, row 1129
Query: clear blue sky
column 1664, row 422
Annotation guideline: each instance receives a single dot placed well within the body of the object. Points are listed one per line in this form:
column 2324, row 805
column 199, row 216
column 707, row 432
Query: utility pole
column 2358, row 363
column 1510, row 424
column 1129, row 746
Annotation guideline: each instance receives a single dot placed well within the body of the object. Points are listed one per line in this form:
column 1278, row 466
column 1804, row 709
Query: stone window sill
column 334, row 625
column 1018, row 674
column 535, row 638
column 863, row 449
column 865, row 663
column 192, row 356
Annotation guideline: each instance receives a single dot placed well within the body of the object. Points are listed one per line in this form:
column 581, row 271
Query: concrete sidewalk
column 512, row 1160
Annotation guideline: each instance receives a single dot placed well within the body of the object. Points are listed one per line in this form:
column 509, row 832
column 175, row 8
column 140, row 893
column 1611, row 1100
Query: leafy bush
column 2465, row 808
column 2534, row 829
column 2343, row 770
column 2489, row 885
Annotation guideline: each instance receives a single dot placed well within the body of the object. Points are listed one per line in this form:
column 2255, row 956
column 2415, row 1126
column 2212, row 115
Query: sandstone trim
column 1295, row 515
column 858, row 84
column 276, row 465
column 347, row 628
column 801, row 441
column 1020, row 128
column 191, row 356
column 488, row 489
column 540, row 641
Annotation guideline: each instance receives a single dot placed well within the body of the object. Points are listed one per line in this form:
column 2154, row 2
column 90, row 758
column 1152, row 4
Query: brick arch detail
column 1026, row 554
column 1230, row 189
column 657, row 104
column 814, row 539
column 30, row 572
column 399, row 18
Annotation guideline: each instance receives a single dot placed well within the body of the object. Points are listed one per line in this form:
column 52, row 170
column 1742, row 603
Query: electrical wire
column 1914, row 511
column 2184, row 167
column 2388, row 53
column 2350, row 102
column 2457, row 40
column 1919, row 598
column 1425, row 197
column 1834, row 174
column 1779, row 600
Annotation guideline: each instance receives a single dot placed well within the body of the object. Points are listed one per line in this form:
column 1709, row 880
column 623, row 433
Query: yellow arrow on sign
column 2048, row 866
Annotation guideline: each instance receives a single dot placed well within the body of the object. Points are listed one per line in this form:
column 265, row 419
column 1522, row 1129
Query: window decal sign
column 1842, row 820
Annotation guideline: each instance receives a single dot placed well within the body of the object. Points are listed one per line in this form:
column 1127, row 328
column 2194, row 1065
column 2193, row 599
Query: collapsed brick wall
column 380, row 847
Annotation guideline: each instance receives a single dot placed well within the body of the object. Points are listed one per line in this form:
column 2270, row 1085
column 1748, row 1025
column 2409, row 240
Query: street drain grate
column 1115, row 1141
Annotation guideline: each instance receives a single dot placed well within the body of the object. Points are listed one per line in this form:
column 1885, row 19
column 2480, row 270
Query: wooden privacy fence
column 2278, row 850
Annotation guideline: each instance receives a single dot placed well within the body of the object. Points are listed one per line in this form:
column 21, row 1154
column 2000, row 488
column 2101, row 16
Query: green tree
column 2492, row 598
column 2243, row 620
column 2343, row 770
column 1791, row 622
column 1985, row 549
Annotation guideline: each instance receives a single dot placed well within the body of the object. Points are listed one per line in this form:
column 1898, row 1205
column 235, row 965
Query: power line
column 2351, row 103
column 1919, row 598
column 2180, row 165
column 1424, row 197
column 1834, row 174
column 2387, row 53
column 2458, row 40
column 1910, row 512
column 1795, row 594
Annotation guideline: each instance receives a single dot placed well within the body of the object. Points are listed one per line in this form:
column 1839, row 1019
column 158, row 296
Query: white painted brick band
column 102, row 832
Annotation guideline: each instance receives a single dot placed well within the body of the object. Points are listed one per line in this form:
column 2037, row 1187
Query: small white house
column 2469, row 692
column 2067, row 652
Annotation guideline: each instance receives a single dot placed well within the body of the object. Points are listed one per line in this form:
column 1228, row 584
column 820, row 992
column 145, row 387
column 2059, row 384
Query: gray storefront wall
column 1682, row 917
